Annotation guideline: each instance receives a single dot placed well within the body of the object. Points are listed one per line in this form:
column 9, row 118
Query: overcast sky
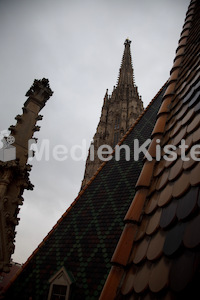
column 78, row 46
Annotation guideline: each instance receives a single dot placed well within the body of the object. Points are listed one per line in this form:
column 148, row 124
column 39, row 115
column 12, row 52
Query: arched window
column 117, row 123
column 116, row 139
column 116, row 131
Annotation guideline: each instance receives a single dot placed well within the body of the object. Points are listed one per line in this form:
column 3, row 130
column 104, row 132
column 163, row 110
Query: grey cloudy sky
column 78, row 46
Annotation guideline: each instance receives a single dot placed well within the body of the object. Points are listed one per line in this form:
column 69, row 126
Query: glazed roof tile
column 165, row 195
column 168, row 215
column 187, row 204
column 140, row 251
column 85, row 237
column 165, row 258
column 157, row 282
column 153, row 222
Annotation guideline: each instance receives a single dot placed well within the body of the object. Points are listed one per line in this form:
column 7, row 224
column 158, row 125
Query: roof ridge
column 133, row 218
column 85, row 188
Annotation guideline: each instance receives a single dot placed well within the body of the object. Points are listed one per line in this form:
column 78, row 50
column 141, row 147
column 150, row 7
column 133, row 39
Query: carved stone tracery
column 14, row 174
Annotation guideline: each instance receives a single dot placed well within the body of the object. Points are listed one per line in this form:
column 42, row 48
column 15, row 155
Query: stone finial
column 40, row 90
column 127, row 42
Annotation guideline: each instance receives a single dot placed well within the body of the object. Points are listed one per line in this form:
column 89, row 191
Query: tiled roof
column 85, row 237
column 157, row 256
column 6, row 277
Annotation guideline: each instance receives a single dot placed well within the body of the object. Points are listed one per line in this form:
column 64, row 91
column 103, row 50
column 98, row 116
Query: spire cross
column 127, row 42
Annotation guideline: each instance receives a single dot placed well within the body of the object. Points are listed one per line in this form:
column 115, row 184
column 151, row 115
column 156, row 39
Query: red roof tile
column 112, row 283
column 122, row 252
column 140, row 251
column 141, row 280
column 152, row 203
column 144, row 179
column 165, row 195
column 128, row 286
column 156, row 281
column 154, row 222
column 136, row 207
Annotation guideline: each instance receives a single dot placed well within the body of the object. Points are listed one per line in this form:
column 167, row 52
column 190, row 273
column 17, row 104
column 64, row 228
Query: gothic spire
column 126, row 70
column 120, row 110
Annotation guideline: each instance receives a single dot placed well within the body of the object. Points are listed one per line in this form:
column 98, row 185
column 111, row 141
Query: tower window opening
column 117, row 123
column 116, row 138
column 116, row 131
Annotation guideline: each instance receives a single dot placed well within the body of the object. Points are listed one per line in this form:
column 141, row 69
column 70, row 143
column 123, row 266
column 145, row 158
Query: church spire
column 119, row 112
column 126, row 70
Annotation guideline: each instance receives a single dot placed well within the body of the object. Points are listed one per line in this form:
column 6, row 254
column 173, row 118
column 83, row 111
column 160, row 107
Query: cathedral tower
column 119, row 112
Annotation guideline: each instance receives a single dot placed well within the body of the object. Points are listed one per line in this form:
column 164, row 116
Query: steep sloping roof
column 6, row 277
column 85, row 237
column 158, row 255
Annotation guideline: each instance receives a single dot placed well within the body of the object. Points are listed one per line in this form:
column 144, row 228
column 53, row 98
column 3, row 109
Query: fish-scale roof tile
column 173, row 239
column 165, row 195
column 141, row 280
column 187, row 204
column 130, row 278
column 176, row 170
column 152, row 203
column 156, row 281
column 153, row 222
column 181, row 185
column 168, row 215
column 154, row 250
column 139, row 253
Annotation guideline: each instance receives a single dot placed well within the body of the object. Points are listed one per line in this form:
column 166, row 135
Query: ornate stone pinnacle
column 40, row 89
column 127, row 42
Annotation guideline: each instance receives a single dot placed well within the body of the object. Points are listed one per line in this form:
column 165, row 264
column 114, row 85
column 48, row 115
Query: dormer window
column 59, row 292
column 60, row 285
